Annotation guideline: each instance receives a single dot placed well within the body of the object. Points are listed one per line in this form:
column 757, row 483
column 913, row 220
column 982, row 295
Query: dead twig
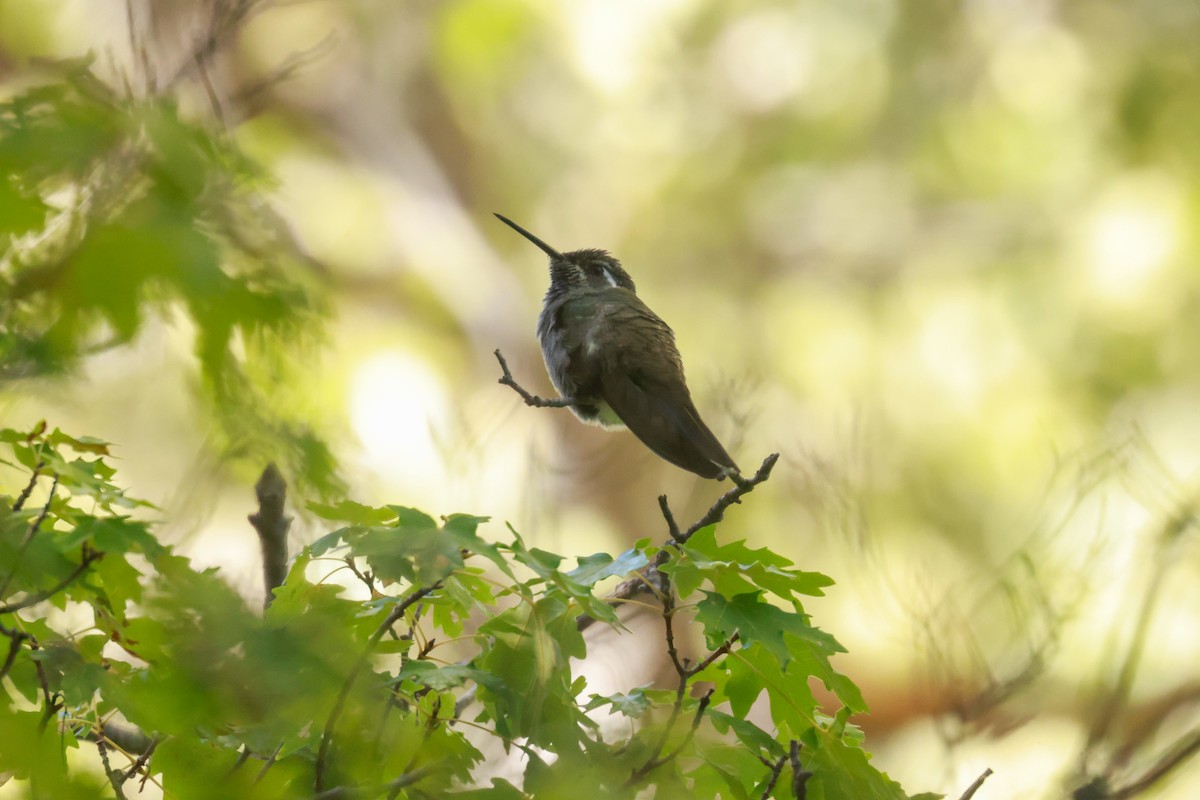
column 530, row 399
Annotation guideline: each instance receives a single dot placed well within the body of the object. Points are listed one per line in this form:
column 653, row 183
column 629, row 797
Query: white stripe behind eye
column 608, row 274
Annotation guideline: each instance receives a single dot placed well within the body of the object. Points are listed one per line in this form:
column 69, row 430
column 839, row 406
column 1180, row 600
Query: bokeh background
column 941, row 256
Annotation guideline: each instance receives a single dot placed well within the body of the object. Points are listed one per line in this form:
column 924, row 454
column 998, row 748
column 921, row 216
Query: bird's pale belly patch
column 605, row 418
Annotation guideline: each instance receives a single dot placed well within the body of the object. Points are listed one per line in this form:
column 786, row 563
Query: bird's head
column 579, row 270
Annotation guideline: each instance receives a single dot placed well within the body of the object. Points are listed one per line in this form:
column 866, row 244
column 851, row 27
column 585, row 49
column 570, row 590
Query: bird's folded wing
column 666, row 421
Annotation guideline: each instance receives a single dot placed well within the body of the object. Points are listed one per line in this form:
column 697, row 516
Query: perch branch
column 800, row 775
column 672, row 525
column 716, row 513
column 530, row 399
column 654, row 579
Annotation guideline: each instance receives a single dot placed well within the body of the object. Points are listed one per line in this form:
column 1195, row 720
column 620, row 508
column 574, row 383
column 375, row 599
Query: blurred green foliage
column 328, row 696
column 115, row 212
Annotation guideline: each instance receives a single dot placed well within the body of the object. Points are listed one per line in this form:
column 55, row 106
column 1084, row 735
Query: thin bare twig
column 658, row 759
column 652, row 578
column 210, row 91
column 143, row 756
column 691, row 734
column 19, row 503
column 52, row 699
column 530, row 399
column 227, row 15
column 30, row 532
column 89, row 556
column 974, row 787
column 270, row 762
column 367, row 578
column 715, row 654
column 16, row 637
column 672, row 525
column 286, row 69
column 716, row 513
column 668, row 620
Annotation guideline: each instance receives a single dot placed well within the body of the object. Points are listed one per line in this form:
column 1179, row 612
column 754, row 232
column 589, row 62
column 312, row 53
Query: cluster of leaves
column 115, row 210
column 453, row 644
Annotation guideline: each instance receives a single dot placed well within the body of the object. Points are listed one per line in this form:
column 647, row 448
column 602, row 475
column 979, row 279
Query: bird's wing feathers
column 642, row 380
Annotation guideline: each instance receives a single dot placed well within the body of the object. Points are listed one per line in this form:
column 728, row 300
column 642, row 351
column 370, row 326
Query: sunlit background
column 941, row 256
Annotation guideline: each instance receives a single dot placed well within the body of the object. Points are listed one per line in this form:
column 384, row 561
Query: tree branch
column 272, row 525
column 658, row 759
column 672, row 526
column 974, row 787
column 115, row 777
column 715, row 654
column 19, row 503
column 653, row 577
column 14, row 647
column 135, row 742
column 773, row 778
column 800, row 776
column 530, row 399
column 31, row 531
column 363, row 658
column 89, row 556
column 1181, row 751
column 716, row 513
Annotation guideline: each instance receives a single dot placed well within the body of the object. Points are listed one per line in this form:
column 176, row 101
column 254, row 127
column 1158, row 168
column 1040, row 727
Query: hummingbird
column 614, row 361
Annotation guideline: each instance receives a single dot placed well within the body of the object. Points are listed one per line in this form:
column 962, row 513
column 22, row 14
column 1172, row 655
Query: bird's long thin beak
column 545, row 248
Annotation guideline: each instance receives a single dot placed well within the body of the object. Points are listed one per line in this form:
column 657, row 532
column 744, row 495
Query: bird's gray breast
column 554, row 349
column 569, row 348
